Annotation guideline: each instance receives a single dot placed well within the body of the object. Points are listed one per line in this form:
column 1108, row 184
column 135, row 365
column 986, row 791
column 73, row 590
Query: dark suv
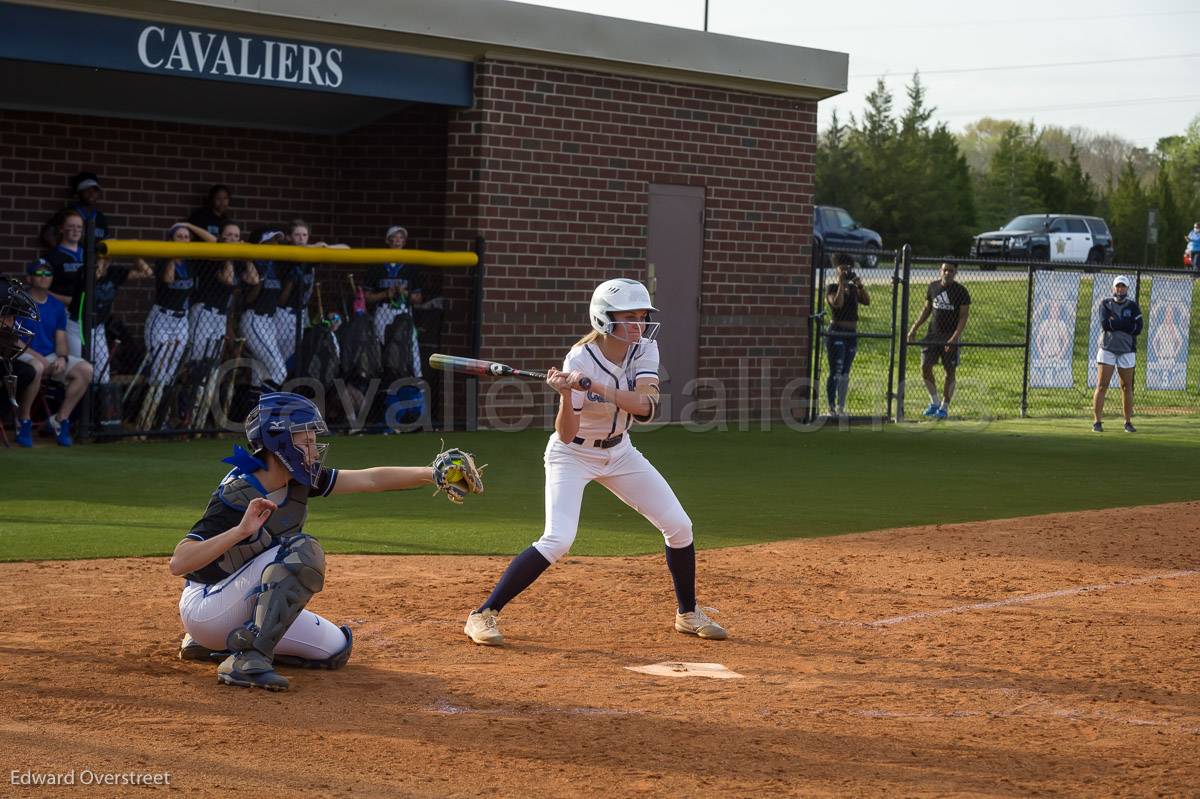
column 1048, row 237
column 834, row 229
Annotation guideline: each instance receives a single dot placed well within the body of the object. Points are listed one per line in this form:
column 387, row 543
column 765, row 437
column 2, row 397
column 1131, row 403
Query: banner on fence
column 1052, row 329
column 1101, row 289
column 1167, row 333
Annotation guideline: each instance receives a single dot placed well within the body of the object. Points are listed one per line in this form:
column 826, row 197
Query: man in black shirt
column 841, row 339
column 949, row 303
column 86, row 187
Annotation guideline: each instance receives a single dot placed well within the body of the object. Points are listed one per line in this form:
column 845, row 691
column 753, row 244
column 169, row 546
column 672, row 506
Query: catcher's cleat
column 699, row 624
column 483, row 627
column 190, row 650
column 332, row 662
column 250, row 669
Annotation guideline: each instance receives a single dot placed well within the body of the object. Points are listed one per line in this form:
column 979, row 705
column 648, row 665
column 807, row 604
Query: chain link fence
column 1027, row 347
column 185, row 347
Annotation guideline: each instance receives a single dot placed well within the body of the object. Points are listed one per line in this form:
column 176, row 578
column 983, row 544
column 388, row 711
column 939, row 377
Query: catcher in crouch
column 250, row 567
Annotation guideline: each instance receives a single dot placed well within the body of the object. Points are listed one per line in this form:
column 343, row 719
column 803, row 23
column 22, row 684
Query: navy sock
column 520, row 574
column 682, row 563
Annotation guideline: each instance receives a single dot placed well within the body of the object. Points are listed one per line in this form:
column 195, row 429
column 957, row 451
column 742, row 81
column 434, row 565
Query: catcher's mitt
column 455, row 472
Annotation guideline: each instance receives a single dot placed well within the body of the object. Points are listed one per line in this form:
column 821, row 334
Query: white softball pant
column 259, row 332
column 206, row 333
column 100, row 365
column 210, row 612
column 101, row 371
column 285, row 332
column 384, row 314
column 166, row 340
column 622, row 470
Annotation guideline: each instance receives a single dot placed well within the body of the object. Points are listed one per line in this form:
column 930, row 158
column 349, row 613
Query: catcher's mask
column 269, row 427
column 17, row 309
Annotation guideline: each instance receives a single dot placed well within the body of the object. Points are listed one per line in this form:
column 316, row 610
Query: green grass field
column 739, row 487
column 989, row 380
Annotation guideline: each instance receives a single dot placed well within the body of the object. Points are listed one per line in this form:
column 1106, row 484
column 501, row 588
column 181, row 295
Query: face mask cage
column 649, row 331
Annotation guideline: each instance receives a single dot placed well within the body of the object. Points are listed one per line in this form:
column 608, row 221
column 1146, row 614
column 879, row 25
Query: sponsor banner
column 1102, row 290
column 1166, row 333
column 1052, row 329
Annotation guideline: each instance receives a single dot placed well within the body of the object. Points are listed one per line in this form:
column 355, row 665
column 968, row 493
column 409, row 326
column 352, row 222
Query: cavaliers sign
column 121, row 44
column 192, row 51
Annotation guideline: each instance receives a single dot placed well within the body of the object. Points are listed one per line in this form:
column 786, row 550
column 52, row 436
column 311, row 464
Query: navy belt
column 171, row 312
column 602, row 443
column 214, row 308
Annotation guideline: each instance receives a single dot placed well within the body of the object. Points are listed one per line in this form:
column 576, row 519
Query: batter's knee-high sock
column 682, row 563
column 520, row 574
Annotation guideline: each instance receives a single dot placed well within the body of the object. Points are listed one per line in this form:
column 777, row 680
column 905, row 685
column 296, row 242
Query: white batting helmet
column 620, row 294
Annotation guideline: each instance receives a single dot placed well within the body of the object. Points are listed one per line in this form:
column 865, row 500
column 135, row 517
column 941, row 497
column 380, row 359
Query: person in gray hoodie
column 1121, row 321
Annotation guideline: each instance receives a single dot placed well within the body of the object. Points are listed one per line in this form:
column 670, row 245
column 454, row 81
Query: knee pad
column 288, row 583
column 304, row 557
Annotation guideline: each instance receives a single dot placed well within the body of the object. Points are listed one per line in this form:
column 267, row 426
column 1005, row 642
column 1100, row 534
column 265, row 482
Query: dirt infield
column 865, row 673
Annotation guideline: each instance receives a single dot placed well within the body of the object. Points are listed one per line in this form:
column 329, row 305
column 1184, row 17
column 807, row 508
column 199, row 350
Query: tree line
column 908, row 177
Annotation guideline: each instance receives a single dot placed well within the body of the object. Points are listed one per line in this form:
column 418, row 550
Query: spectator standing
column 298, row 283
column 67, row 260
column 208, row 319
column 1121, row 322
column 393, row 289
column 949, row 304
column 109, row 278
column 213, row 216
column 86, row 187
column 167, row 324
column 263, row 284
column 841, row 340
column 1193, row 246
column 48, row 354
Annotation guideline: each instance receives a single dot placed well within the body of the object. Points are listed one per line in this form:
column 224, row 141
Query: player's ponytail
column 591, row 336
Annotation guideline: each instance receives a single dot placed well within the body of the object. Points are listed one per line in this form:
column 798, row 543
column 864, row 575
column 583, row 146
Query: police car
column 1048, row 237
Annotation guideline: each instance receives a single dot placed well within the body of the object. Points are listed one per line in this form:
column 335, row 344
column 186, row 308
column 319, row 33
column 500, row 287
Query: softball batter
column 250, row 567
column 591, row 442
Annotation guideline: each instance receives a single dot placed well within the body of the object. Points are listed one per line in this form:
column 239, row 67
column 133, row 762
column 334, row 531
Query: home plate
column 672, row 669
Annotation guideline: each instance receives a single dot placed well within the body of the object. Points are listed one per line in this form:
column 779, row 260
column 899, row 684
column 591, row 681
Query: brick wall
column 553, row 166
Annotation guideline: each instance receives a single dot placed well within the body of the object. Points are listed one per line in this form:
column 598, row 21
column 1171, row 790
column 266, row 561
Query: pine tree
column 1127, row 206
column 1010, row 187
column 1079, row 193
column 838, row 171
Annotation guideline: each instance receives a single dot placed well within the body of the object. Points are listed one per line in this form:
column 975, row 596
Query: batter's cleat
column 332, row 662
column 190, row 650
column 483, row 627
column 25, row 433
column 1129, row 428
column 698, row 623
column 932, row 410
column 250, row 669
column 1097, row 427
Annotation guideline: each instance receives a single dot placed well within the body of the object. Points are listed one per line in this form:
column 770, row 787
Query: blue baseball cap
column 38, row 265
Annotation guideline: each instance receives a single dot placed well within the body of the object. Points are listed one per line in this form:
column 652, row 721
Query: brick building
column 579, row 147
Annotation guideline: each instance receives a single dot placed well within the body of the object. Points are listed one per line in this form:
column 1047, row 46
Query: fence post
column 472, row 382
column 87, row 311
column 906, row 274
column 1028, row 333
column 892, row 354
column 816, row 308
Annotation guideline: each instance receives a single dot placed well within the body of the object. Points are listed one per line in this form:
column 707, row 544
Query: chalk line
column 1029, row 598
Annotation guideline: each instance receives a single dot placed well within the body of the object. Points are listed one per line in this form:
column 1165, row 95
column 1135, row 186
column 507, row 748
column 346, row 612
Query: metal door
column 674, row 255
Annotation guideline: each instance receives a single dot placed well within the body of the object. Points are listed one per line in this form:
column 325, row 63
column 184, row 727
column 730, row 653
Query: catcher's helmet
column 270, row 426
column 620, row 294
column 16, row 308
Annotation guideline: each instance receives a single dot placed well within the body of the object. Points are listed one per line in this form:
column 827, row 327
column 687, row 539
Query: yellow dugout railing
column 203, row 251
